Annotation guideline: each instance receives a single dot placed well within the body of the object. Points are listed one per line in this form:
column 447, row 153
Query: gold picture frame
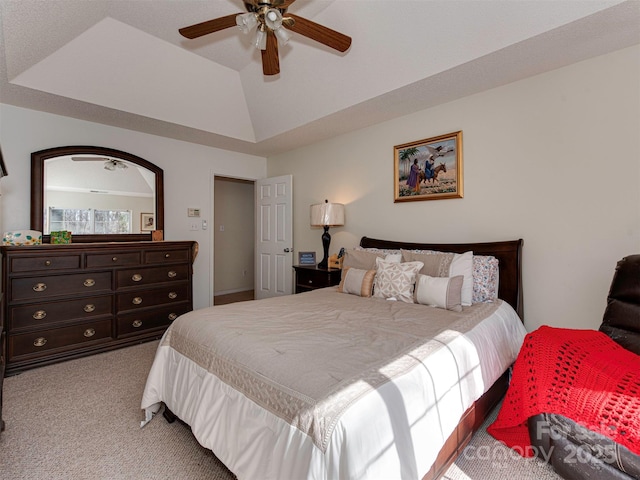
column 429, row 169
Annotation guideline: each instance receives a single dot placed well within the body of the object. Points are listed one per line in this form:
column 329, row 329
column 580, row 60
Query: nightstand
column 310, row 277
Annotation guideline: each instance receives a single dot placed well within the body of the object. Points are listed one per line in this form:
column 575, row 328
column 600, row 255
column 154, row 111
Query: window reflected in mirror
column 89, row 195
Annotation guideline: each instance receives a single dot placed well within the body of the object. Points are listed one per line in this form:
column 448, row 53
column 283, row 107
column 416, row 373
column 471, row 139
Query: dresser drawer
column 30, row 288
column 36, row 263
column 44, row 314
column 166, row 256
column 134, row 323
column 113, row 259
column 149, row 298
column 59, row 339
column 147, row 276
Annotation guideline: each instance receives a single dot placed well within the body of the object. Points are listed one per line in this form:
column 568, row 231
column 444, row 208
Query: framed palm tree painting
column 429, row 169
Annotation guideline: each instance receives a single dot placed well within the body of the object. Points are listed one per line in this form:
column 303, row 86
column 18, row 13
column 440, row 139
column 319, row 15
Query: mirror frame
column 38, row 160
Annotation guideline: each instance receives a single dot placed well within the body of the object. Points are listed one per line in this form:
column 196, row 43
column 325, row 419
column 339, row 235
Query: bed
column 331, row 385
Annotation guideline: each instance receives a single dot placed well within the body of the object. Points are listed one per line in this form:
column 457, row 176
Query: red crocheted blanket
column 580, row 374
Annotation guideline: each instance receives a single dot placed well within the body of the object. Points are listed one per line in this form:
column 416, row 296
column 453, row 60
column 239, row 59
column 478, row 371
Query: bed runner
column 344, row 347
column 580, row 374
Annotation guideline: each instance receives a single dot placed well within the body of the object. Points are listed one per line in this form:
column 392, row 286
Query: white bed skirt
column 371, row 440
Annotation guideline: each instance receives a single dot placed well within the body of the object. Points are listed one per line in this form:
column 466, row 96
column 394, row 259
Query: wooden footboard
column 471, row 421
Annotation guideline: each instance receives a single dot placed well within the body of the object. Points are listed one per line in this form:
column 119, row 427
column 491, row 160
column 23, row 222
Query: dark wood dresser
column 68, row 301
column 2, row 356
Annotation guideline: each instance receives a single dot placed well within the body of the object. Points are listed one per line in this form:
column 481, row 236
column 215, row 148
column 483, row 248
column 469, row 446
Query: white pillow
column 441, row 292
column 462, row 264
column 396, row 280
column 393, row 257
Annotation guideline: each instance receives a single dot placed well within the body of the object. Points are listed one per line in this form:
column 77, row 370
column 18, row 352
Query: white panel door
column 274, row 237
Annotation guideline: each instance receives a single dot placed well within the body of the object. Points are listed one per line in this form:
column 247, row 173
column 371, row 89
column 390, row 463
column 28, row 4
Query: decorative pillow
column 446, row 265
column 386, row 251
column 357, row 282
column 393, row 257
column 366, row 259
column 441, row 292
column 436, row 264
column 462, row 264
column 361, row 259
column 485, row 278
column 396, row 280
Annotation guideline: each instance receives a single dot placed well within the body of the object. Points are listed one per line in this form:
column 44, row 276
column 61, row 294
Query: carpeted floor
column 79, row 420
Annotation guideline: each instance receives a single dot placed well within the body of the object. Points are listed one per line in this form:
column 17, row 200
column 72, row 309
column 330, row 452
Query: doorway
column 233, row 240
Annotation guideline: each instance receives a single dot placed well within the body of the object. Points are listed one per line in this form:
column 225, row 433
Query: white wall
column 188, row 175
column 553, row 159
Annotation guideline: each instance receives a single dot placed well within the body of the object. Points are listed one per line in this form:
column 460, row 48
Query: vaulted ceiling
column 123, row 63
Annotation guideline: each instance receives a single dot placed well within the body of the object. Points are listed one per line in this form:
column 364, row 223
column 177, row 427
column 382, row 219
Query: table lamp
column 327, row 215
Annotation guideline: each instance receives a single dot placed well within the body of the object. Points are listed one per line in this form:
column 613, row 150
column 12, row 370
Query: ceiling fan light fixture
column 260, row 41
column 273, row 19
column 246, row 21
column 283, row 35
column 114, row 164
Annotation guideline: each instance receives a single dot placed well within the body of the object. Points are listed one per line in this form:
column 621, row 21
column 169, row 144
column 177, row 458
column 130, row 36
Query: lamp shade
column 327, row 214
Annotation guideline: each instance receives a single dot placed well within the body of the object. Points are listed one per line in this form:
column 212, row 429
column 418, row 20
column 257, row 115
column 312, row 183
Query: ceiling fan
column 109, row 163
column 272, row 24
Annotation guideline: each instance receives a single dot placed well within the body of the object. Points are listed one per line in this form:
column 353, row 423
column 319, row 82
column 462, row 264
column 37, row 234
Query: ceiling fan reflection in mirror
column 110, row 164
column 272, row 24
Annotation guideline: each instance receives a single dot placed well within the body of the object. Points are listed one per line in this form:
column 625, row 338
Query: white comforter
column 393, row 429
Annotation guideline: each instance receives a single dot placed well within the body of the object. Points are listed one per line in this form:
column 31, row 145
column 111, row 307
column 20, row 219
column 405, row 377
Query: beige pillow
column 361, row 259
column 436, row 264
column 396, row 280
column 441, row 292
column 357, row 282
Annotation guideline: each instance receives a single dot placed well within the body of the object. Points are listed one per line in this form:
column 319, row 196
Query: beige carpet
column 80, row 420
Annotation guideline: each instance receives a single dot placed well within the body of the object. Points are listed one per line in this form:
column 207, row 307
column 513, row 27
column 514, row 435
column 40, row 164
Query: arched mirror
column 99, row 194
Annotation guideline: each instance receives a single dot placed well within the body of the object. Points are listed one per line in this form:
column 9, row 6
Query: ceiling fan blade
column 210, row 26
column 270, row 60
column 282, row 3
column 320, row 33
column 90, row 159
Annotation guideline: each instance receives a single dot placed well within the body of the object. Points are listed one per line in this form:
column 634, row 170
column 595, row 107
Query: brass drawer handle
column 172, row 316
column 173, row 295
column 47, row 263
column 39, row 287
column 136, row 277
column 89, row 282
column 39, row 342
column 137, row 300
column 39, row 315
column 167, row 255
column 114, row 259
column 310, row 282
column 89, row 332
column 89, row 307
column 172, row 274
column 137, row 323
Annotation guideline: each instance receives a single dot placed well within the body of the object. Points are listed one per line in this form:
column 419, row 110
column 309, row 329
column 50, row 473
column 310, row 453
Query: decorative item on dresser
column 310, row 277
column 67, row 301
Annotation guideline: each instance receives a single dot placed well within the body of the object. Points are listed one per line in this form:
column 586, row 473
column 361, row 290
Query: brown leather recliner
column 575, row 452
column 621, row 319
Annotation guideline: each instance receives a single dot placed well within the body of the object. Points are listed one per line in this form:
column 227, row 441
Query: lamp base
column 326, row 240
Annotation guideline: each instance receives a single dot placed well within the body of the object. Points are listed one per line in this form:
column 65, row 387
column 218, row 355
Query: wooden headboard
column 508, row 253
